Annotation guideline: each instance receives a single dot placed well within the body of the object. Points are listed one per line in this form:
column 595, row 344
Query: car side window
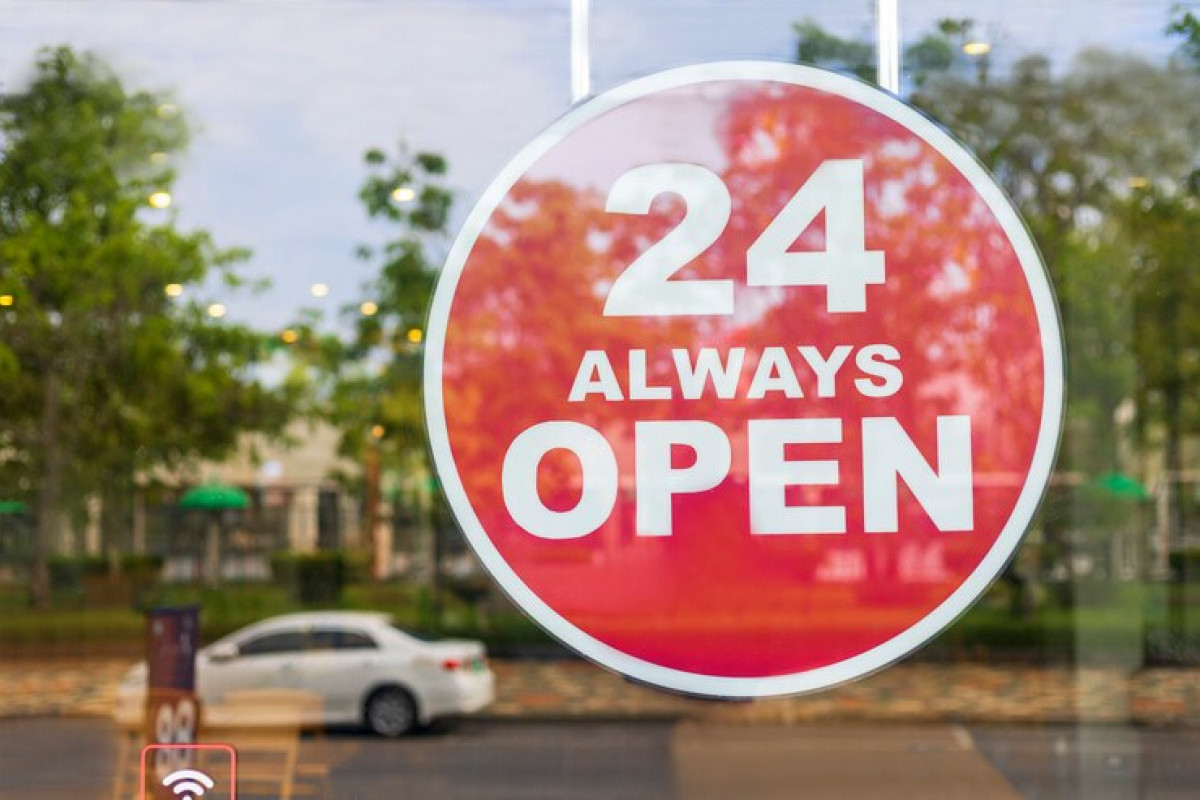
column 340, row 639
column 355, row 640
column 273, row 644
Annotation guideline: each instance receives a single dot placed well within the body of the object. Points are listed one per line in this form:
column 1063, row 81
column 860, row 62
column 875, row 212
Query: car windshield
column 758, row 399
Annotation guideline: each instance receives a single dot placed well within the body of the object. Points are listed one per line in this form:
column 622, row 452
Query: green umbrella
column 214, row 497
column 13, row 507
column 1121, row 485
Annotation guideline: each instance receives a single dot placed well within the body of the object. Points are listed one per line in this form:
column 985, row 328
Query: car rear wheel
column 391, row 712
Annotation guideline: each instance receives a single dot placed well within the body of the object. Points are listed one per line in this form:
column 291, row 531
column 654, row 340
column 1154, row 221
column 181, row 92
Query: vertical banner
column 172, row 710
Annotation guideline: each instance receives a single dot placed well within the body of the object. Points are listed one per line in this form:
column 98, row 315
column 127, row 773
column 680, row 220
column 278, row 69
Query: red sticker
column 744, row 379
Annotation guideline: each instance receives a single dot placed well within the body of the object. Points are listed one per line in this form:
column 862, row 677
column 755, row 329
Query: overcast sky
column 286, row 95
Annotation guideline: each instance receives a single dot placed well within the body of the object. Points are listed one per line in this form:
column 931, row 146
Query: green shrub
column 469, row 590
column 358, row 567
column 315, row 579
column 67, row 572
column 1084, row 593
column 283, row 568
column 1185, row 564
column 141, row 564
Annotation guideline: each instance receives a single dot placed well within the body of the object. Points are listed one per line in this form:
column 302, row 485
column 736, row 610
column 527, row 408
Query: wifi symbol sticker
column 189, row 782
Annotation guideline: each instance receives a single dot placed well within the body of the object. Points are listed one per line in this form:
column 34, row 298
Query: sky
column 286, row 95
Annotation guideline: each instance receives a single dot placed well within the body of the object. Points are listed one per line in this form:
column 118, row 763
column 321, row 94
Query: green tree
column 369, row 383
column 1165, row 222
column 407, row 193
column 1095, row 157
column 938, row 52
column 1073, row 145
column 1165, row 227
column 105, row 375
column 815, row 45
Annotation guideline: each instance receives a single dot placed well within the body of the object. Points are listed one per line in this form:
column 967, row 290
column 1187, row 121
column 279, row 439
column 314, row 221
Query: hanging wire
column 581, row 77
column 887, row 44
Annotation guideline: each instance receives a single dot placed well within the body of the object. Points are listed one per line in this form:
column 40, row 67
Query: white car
column 364, row 669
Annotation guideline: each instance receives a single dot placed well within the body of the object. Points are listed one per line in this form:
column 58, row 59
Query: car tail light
column 451, row 664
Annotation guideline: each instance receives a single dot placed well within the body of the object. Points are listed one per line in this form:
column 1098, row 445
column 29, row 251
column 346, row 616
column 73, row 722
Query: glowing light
column 6, row 300
column 977, row 48
column 369, row 309
column 319, row 290
column 415, row 335
column 216, row 310
column 289, row 336
column 404, row 194
column 173, row 290
column 160, row 199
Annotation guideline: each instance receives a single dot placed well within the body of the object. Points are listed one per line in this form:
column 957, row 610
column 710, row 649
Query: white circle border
column 1027, row 501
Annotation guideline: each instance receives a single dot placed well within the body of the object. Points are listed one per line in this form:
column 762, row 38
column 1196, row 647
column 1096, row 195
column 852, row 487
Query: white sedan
column 364, row 669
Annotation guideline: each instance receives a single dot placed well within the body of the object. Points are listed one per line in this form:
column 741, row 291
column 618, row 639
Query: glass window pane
column 275, row 644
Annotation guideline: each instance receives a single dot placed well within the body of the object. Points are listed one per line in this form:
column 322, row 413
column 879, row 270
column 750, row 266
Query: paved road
column 57, row 759
column 1097, row 763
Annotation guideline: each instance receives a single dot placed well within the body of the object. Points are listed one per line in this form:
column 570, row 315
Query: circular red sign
column 744, row 379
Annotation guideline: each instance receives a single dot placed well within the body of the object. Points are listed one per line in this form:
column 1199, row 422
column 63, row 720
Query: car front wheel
column 391, row 712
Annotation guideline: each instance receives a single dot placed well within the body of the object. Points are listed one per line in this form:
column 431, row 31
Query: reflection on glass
column 1086, row 113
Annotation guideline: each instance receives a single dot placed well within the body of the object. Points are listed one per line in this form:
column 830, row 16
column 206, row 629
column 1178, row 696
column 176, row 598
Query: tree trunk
column 49, row 492
column 1172, row 411
column 372, row 474
column 115, row 513
column 1173, row 388
column 210, row 561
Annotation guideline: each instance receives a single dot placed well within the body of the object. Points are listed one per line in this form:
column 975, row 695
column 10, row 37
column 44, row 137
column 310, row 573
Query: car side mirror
column 224, row 651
